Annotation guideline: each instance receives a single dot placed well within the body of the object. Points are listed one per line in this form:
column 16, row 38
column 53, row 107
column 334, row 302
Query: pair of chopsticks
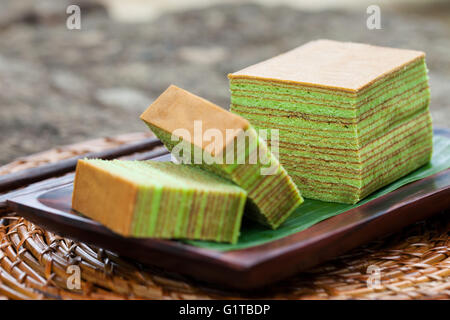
column 24, row 177
column 32, row 178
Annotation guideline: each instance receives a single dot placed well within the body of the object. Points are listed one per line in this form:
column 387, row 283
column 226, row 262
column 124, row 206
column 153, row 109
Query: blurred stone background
column 59, row 86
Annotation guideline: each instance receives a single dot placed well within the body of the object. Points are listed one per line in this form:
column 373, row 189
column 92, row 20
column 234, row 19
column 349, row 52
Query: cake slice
column 158, row 200
column 352, row 117
column 186, row 124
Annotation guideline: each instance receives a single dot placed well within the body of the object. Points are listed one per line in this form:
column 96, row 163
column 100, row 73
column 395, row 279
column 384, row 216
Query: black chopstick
column 161, row 154
column 28, row 176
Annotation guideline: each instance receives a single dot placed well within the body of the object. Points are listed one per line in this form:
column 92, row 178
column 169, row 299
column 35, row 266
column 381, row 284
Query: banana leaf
column 314, row 211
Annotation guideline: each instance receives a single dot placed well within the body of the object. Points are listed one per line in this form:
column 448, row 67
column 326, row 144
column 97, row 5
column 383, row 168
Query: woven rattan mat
column 412, row 264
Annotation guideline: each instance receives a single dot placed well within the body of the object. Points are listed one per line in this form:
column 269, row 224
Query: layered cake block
column 352, row 117
column 158, row 200
column 203, row 134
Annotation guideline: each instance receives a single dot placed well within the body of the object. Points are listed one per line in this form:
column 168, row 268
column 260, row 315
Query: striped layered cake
column 158, row 200
column 201, row 133
column 352, row 117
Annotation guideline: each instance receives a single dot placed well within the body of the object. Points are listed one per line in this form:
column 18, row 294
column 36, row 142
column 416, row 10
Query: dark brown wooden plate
column 252, row 267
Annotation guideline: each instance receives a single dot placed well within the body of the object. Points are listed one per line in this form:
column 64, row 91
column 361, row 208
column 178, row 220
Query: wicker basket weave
column 36, row 264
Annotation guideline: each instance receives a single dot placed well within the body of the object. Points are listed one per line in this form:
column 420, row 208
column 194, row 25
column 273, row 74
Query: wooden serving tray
column 256, row 266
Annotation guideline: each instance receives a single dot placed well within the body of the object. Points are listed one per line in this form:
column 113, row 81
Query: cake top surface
column 163, row 174
column 178, row 109
column 331, row 64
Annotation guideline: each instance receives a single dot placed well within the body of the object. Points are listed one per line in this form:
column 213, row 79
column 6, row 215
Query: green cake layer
column 272, row 195
column 159, row 200
column 350, row 122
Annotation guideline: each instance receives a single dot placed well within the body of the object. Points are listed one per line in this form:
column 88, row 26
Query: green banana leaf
column 314, row 211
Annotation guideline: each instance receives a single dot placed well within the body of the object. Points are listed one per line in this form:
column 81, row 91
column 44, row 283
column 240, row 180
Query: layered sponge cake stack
column 180, row 118
column 159, row 200
column 352, row 118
